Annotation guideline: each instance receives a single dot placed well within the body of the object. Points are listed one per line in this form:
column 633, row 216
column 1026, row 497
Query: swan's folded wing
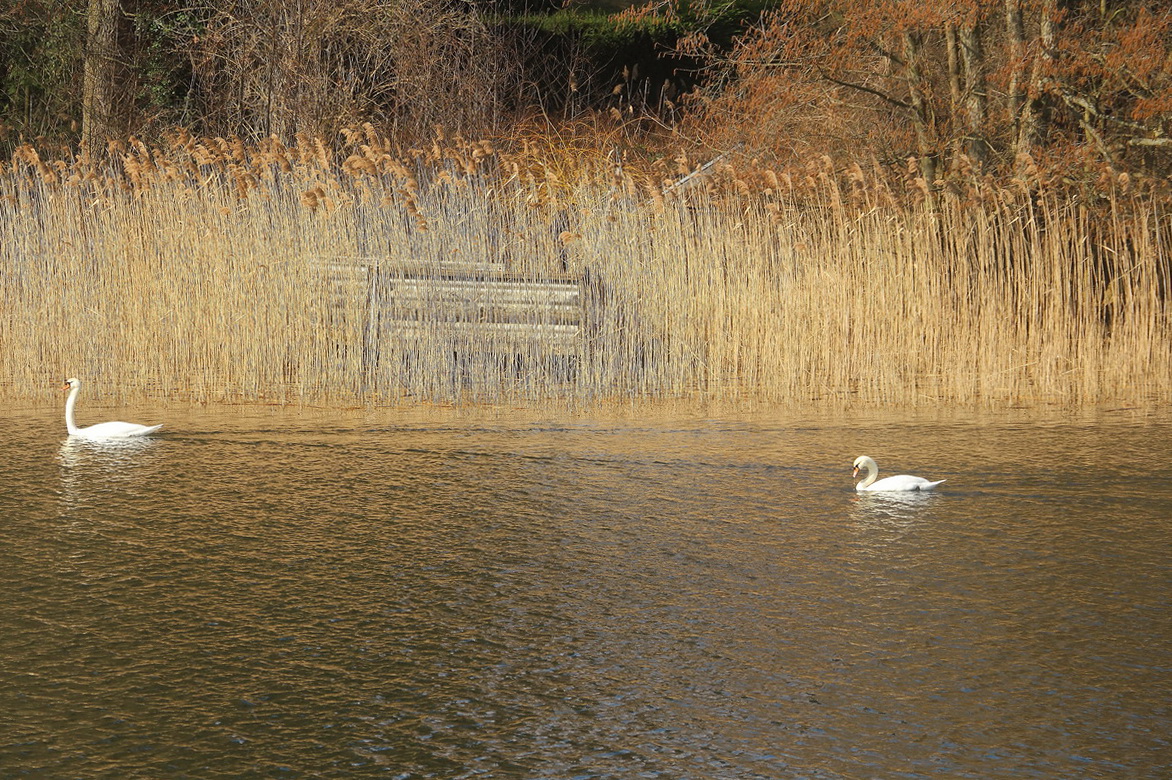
column 902, row 483
column 116, row 429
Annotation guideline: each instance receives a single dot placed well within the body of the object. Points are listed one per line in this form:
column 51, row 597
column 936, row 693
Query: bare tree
column 281, row 67
column 921, row 109
column 101, row 58
column 976, row 98
column 1015, row 40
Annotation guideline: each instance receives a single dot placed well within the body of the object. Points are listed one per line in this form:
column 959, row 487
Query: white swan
column 903, row 482
column 106, row 430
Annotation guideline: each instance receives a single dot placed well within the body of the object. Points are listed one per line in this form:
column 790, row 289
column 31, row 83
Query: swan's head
column 865, row 463
column 71, row 383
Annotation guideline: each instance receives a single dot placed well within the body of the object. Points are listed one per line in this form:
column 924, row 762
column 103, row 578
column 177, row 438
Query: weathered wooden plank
column 488, row 336
column 471, row 306
column 496, row 290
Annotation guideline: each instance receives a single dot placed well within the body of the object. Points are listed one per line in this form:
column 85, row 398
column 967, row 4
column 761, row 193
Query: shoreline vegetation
column 883, row 202
column 200, row 270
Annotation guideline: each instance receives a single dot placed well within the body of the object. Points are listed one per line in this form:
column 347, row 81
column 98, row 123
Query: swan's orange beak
column 855, row 471
column 65, row 386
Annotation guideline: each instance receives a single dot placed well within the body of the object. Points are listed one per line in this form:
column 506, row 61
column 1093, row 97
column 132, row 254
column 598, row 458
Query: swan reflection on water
column 106, row 453
column 893, row 509
column 99, row 464
column 96, row 471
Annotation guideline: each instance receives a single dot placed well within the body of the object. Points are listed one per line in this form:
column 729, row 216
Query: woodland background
column 1069, row 92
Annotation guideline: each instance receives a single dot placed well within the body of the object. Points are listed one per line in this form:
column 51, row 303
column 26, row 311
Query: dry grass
column 209, row 271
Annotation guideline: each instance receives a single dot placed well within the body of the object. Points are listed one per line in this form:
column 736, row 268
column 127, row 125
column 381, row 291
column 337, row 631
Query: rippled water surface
column 297, row 593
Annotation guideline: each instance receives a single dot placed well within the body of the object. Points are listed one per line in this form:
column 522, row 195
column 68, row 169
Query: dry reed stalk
column 209, row 271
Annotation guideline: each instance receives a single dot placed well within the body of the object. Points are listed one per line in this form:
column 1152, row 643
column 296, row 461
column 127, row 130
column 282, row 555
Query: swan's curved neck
column 872, row 473
column 69, row 402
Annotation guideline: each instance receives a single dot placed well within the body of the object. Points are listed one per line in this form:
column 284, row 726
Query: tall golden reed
column 209, row 271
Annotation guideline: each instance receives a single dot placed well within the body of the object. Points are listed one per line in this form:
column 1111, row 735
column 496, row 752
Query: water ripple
column 260, row 598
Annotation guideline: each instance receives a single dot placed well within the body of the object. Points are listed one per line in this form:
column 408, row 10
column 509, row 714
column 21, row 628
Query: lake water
column 633, row 594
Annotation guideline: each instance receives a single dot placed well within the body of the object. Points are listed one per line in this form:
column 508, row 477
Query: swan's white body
column 901, row 483
column 106, row 430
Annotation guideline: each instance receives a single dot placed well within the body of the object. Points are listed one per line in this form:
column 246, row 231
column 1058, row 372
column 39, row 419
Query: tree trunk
column 954, row 91
column 921, row 114
column 953, row 68
column 97, row 100
column 975, row 94
column 1032, row 119
column 1015, row 33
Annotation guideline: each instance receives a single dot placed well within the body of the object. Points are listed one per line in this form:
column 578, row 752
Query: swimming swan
column 903, row 482
column 106, row 430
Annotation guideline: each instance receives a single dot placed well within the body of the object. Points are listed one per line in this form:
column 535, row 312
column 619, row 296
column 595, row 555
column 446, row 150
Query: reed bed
column 205, row 270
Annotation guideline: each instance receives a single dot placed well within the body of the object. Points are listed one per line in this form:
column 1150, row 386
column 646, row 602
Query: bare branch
column 1151, row 142
column 870, row 91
